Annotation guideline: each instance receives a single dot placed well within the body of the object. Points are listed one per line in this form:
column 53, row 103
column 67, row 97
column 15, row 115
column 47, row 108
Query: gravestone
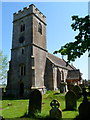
column 63, row 87
column 77, row 90
column 35, row 101
column 55, row 112
column 70, row 100
column 70, row 87
column 84, row 108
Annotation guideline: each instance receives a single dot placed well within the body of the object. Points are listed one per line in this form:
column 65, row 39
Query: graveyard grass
column 17, row 109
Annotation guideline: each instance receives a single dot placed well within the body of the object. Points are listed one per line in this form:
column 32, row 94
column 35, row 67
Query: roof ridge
column 54, row 55
column 72, row 66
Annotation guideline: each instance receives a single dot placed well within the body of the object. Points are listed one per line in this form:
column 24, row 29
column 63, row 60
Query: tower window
column 40, row 28
column 22, row 70
column 22, row 51
column 21, row 39
column 22, row 27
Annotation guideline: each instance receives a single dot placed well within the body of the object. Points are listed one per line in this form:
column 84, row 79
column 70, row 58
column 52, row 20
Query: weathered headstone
column 35, row 101
column 70, row 87
column 77, row 89
column 63, row 87
column 70, row 100
column 84, row 108
column 55, row 112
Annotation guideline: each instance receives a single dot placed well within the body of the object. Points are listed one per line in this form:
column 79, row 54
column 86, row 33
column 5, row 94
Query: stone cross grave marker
column 70, row 100
column 55, row 112
column 35, row 101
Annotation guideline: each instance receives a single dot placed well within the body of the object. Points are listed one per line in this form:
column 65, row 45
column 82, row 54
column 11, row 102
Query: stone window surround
column 22, row 69
column 22, row 27
column 40, row 28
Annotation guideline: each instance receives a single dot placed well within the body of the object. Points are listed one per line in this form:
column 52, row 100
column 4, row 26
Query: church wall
column 39, row 39
column 58, row 78
column 39, row 50
column 48, row 77
column 55, row 78
column 17, row 33
column 39, row 63
column 18, row 57
column 14, row 72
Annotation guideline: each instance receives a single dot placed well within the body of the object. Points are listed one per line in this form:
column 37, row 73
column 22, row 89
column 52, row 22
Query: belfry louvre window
column 22, row 27
column 40, row 28
column 22, row 70
column 22, row 51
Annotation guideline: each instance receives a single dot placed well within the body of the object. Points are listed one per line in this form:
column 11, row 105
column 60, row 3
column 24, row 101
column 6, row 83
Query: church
column 31, row 65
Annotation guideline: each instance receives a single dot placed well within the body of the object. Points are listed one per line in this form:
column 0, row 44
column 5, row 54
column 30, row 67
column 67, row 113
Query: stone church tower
column 28, row 53
column 31, row 65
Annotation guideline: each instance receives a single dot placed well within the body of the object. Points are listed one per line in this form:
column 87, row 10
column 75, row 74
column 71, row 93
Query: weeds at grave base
column 36, row 116
column 39, row 116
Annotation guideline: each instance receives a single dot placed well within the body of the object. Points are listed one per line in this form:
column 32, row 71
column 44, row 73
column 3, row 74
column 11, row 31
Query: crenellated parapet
column 31, row 9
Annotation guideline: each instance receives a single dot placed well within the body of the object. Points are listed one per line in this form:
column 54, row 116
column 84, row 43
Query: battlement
column 31, row 9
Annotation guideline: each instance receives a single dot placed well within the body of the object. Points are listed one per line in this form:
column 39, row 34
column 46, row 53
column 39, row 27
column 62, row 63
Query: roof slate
column 74, row 75
column 59, row 62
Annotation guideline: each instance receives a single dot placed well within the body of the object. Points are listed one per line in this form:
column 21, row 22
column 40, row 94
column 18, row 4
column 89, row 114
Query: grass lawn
column 15, row 109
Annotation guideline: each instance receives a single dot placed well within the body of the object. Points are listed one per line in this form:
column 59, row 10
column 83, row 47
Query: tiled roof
column 59, row 62
column 74, row 75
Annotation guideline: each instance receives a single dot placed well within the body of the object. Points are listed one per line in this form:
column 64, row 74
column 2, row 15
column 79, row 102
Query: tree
column 82, row 40
column 3, row 67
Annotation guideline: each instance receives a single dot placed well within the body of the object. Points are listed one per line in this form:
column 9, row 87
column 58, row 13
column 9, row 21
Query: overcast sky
column 59, row 31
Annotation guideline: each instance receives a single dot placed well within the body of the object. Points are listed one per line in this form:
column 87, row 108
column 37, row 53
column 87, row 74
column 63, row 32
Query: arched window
column 22, row 69
column 62, row 75
column 22, row 50
column 22, row 27
column 40, row 28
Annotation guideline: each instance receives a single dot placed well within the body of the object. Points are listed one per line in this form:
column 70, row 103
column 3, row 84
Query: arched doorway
column 21, row 89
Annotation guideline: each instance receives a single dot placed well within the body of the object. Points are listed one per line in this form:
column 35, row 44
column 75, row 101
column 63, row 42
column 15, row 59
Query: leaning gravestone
column 55, row 112
column 77, row 89
column 70, row 100
column 35, row 102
